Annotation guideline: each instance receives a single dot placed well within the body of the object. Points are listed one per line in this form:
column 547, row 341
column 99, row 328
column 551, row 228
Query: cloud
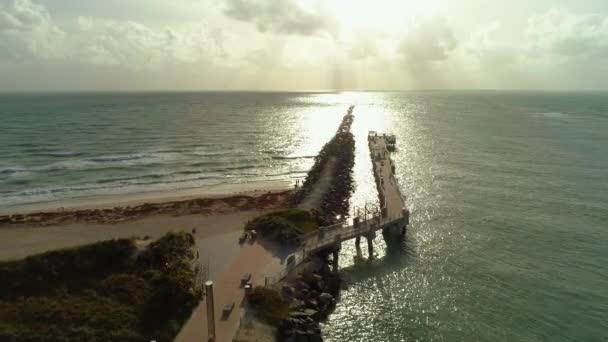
column 137, row 46
column 284, row 16
column 486, row 46
column 289, row 44
column 29, row 34
column 27, row 30
column 364, row 47
column 428, row 40
column 563, row 33
column 21, row 15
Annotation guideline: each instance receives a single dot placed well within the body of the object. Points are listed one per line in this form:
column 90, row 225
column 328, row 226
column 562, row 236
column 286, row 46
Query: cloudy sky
column 303, row 44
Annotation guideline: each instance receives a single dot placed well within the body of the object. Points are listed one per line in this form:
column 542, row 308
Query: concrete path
column 253, row 259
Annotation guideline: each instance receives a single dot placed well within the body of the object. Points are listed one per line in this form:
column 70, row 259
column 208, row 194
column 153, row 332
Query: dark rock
column 290, row 323
column 325, row 297
column 290, row 338
column 288, row 291
column 312, row 304
column 302, row 285
column 315, row 337
column 303, row 314
column 301, row 336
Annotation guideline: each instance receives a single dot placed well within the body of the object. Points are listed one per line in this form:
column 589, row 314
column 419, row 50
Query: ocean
column 508, row 191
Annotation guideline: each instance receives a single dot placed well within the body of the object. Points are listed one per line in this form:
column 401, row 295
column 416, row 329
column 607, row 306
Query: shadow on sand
column 278, row 251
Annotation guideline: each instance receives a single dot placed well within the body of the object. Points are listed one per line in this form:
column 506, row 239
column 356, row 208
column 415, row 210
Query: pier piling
column 336, row 259
column 370, row 245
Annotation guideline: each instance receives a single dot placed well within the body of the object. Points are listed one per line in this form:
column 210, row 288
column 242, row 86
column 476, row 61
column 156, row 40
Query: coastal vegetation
column 269, row 305
column 286, row 226
column 106, row 291
column 269, row 200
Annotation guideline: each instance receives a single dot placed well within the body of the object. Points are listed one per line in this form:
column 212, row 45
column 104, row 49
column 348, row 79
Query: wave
column 211, row 163
column 292, row 157
column 171, row 150
column 208, row 154
column 117, row 158
column 123, row 186
column 26, row 145
column 552, row 115
column 303, row 172
column 11, row 171
column 123, row 180
column 272, row 151
column 60, row 154
column 167, row 176
column 112, row 184
column 70, row 164
column 110, row 162
column 242, row 167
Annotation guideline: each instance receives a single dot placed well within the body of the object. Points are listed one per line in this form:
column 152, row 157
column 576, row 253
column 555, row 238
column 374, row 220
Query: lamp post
column 210, row 311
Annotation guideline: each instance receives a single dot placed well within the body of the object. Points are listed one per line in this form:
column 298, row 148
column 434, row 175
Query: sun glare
column 357, row 16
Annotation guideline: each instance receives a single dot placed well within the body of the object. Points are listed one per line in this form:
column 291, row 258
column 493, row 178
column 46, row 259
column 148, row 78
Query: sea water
column 508, row 191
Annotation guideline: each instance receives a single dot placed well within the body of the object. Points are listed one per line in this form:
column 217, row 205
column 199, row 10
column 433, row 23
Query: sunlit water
column 58, row 147
column 508, row 193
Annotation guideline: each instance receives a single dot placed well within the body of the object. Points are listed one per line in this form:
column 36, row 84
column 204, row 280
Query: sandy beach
column 146, row 205
column 152, row 197
column 218, row 214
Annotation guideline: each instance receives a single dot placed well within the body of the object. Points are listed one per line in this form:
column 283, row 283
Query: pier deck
column 384, row 171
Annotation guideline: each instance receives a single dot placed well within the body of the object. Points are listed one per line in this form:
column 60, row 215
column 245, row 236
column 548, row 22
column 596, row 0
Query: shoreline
column 152, row 197
column 180, row 203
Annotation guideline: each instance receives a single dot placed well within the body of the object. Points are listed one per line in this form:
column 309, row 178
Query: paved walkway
column 252, row 259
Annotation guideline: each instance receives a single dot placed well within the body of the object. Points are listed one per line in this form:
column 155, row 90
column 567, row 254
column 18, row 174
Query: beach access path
column 251, row 258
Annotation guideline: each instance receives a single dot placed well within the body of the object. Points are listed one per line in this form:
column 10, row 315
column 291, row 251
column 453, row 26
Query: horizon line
column 126, row 91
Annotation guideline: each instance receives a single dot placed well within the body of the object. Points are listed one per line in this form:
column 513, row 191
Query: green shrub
column 99, row 292
column 166, row 251
column 305, row 221
column 71, row 266
column 284, row 226
column 128, row 288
